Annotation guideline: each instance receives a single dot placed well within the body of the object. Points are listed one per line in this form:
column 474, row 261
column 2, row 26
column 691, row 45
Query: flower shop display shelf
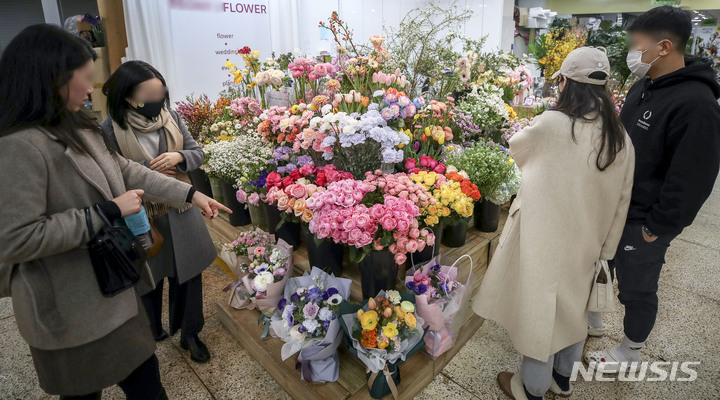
column 416, row 373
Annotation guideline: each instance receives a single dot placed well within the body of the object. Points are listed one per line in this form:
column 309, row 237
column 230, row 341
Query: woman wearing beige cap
column 577, row 164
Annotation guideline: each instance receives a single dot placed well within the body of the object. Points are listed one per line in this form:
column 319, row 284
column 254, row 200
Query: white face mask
column 634, row 62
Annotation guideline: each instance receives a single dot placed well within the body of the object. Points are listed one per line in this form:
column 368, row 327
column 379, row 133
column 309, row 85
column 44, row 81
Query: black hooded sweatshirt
column 674, row 124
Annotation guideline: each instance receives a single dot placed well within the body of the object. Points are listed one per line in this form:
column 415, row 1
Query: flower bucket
column 216, row 188
column 200, row 181
column 429, row 252
column 257, row 216
column 288, row 231
column 487, row 216
column 240, row 215
column 378, row 271
column 326, row 255
column 455, row 235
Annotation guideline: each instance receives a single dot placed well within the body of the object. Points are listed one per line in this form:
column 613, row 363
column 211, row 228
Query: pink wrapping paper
column 241, row 291
column 439, row 315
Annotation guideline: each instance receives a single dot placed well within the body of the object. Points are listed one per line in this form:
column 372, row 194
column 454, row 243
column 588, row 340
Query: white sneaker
column 610, row 362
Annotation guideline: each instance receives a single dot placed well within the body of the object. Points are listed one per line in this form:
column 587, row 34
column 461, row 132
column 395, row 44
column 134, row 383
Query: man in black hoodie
column 673, row 118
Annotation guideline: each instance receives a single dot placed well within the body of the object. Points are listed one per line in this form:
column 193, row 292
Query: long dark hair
column 34, row 66
column 122, row 84
column 589, row 102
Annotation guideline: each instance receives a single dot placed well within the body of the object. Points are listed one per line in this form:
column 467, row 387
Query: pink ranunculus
column 400, row 258
column 349, row 224
column 421, row 245
column 430, row 239
column 402, row 243
column 388, row 223
column 320, row 70
column 403, row 225
column 412, row 246
column 414, row 233
column 355, row 235
column 362, row 221
column 425, row 161
column 440, row 169
column 313, row 76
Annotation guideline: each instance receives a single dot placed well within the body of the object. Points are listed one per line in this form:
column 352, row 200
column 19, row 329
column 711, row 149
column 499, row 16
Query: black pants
column 637, row 265
column 142, row 384
column 186, row 307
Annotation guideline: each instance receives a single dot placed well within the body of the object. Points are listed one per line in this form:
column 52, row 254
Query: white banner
column 206, row 34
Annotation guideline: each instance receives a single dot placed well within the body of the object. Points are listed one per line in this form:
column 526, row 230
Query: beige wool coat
column 567, row 215
column 44, row 262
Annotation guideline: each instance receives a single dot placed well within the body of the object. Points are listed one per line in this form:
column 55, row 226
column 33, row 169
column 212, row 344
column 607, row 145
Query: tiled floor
column 686, row 330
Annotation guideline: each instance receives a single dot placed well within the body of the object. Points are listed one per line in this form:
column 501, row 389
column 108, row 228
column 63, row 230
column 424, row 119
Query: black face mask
column 150, row 110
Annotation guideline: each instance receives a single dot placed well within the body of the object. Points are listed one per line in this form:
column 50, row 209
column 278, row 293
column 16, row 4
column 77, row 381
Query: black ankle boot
column 198, row 351
column 162, row 335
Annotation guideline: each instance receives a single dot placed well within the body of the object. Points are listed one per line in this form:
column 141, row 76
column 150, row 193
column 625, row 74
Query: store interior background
column 163, row 34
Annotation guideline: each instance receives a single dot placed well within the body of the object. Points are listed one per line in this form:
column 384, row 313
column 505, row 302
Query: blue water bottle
column 139, row 225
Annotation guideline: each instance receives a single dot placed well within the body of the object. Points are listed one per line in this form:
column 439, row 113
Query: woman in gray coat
column 55, row 165
column 147, row 131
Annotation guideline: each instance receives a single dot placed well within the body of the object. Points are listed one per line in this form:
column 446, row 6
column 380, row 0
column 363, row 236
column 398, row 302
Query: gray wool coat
column 187, row 243
column 44, row 262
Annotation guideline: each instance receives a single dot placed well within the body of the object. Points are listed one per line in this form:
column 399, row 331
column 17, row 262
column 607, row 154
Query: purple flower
column 410, row 285
column 302, row 329
column 314, row 294
column 282, row 303
column 416, row 146
column 331, row 291
column 445, row 288
column 310, row 310
column 435, row 268
column 326, row 324
column 294, row 297
column 421, row 289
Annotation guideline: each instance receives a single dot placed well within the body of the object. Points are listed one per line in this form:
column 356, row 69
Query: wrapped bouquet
column 263, row 274
column 439, row 297
column 307, row 321
column 383, row 334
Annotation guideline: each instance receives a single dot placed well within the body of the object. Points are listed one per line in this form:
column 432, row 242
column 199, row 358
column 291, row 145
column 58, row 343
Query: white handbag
column 602, row 294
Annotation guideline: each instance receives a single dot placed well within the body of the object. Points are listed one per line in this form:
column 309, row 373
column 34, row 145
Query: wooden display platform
column 416, row 373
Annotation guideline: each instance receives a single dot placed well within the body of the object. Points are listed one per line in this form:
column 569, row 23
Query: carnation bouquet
column 383, row 333
column 263, row 274
column 377, row 213
column 308, row 321
column 439, row 297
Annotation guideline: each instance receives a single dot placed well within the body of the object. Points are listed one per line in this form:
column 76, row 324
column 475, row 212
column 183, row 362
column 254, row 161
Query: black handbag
column 116, row 255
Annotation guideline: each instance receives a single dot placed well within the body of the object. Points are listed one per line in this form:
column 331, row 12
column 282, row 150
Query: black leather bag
column 116, row 255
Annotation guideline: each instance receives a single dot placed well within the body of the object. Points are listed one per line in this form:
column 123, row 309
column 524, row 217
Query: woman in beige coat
column 54, row 165
column 577, row 164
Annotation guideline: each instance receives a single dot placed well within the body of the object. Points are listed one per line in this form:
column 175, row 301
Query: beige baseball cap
column 583, row 61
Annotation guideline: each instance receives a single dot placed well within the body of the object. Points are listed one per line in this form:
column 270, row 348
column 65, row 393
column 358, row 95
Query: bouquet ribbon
column 388, row 378
column 264, row 320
